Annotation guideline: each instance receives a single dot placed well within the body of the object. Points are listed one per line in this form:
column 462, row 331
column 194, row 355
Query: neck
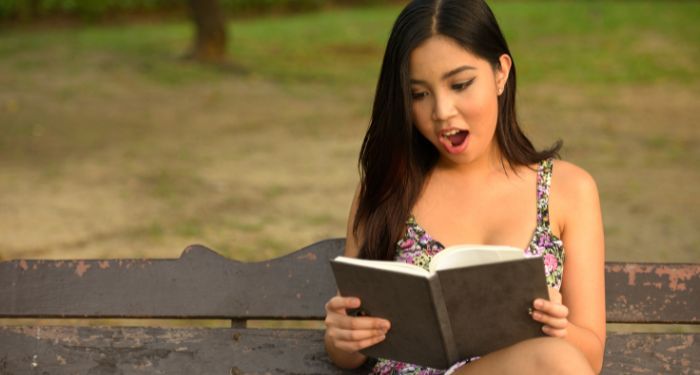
column 489, row 164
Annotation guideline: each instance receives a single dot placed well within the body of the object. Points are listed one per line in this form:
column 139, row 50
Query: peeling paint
column 103, row 264
column 81, row 268
column 23, row 265
column 676, row 276
column 656, row 285
column 687, row 343
column 632, row 270
column 308, row 256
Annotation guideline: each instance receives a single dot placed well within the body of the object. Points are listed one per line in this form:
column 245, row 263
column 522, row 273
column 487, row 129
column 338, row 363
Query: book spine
column 448, row 342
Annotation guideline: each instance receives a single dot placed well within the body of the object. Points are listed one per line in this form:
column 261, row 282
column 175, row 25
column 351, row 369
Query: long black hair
column 395, row 158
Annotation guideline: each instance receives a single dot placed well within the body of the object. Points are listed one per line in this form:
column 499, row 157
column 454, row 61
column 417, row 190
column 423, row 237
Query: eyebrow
column 448, row 74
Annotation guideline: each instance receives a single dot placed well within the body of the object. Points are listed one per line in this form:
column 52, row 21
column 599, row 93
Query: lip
column 447, row 145
column 450, row 129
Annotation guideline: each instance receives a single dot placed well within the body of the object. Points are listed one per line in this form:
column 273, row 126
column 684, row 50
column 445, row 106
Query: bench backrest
column 203, row 284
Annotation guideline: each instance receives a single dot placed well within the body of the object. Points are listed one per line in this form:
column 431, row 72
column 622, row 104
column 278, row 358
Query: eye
column 463, row 85
column 418, row 95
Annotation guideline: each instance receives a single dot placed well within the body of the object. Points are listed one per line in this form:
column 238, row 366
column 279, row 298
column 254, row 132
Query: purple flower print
column 407, row 244
column 550, row 262
column 544, row 241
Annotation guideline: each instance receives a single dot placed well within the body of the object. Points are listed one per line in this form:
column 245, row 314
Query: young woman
column 445, row 162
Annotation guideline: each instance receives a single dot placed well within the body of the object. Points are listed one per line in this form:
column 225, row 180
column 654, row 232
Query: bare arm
column 578, row 314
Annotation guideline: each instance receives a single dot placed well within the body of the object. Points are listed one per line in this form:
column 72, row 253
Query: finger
column 551, row 308
column 355, row 335
column 553, row 332
column 554, row 322
column 353, row 346
column 368, row 322
column 356, row 323
column 338, row 303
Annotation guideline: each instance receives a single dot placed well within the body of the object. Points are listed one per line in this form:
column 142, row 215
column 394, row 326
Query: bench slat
column 652, row 353
column 652, row 293
column 137, row 350
column 200, row 284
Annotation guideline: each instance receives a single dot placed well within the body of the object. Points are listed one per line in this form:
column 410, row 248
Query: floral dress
column 417, row 247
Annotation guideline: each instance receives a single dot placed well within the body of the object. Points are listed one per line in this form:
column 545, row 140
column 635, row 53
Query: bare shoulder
column 572, row 182
column 573, row 193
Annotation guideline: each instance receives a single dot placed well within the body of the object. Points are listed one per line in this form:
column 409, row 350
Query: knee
column 556, row 356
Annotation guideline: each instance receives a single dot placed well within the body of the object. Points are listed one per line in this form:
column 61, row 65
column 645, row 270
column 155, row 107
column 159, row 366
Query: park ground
column 112, row 146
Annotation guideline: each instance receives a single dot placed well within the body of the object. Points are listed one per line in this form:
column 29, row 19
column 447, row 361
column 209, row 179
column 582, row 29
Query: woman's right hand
column 348, row 333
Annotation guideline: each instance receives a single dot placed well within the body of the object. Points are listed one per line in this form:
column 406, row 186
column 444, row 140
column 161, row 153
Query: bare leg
column 546, row 355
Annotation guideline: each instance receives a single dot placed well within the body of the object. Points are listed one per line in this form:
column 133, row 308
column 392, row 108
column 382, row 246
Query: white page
column 401, row 267
column 469, row 255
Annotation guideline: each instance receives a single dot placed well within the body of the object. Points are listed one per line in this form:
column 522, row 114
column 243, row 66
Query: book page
column 470, row 255
column 400, row 267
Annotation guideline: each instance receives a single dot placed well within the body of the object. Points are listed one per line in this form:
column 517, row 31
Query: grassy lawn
column 111, row 146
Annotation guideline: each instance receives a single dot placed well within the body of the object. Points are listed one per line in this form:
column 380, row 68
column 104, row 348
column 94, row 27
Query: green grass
column 603, row 42
column 572, row 42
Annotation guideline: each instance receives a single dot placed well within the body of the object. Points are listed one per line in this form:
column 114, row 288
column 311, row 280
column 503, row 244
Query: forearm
column 343, row 359
column 588, row 343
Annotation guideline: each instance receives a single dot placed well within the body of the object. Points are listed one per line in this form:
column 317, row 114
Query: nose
column 443, row 107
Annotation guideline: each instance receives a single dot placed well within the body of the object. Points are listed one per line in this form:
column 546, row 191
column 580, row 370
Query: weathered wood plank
column 132, row 350
column 136, row 350
column 200, row 284
column 652, row 353
column 652, row 293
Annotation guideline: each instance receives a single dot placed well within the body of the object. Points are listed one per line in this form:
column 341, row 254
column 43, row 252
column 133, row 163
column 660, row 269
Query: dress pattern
column 418, row 247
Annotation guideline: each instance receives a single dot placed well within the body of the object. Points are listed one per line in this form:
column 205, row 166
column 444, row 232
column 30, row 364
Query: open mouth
column 455, row 137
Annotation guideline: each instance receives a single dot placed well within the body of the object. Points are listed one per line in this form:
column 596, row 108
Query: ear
column 503, row 70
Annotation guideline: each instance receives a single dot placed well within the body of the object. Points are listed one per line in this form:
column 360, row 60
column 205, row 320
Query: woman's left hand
column 552, row 314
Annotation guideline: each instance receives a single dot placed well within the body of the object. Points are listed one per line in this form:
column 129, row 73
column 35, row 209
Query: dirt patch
column 641, row 144
column 98, row 162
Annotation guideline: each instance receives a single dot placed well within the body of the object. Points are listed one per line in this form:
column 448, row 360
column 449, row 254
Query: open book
column 473, row 300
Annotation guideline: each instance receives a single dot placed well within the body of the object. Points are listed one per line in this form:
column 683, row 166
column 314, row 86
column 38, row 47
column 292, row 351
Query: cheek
column 421, row 117
column 480, row 112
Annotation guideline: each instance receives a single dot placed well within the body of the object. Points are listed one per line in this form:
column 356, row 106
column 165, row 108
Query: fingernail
column 538, row 303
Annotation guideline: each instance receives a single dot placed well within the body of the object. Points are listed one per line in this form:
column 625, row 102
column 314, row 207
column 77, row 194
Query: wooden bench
column 204, row 285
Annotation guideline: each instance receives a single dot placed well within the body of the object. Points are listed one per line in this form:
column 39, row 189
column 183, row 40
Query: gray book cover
column 452, row 315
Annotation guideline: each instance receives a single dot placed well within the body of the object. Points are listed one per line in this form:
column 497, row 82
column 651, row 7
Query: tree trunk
column 210, row 31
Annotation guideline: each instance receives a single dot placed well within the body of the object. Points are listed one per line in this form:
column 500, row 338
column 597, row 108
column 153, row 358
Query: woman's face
column 455, row 98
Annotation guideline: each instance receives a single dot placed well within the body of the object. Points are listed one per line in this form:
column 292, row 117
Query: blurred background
column 135, row 128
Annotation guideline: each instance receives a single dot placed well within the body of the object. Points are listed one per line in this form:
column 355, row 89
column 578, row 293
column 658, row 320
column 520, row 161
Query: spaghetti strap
column 544, row 180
